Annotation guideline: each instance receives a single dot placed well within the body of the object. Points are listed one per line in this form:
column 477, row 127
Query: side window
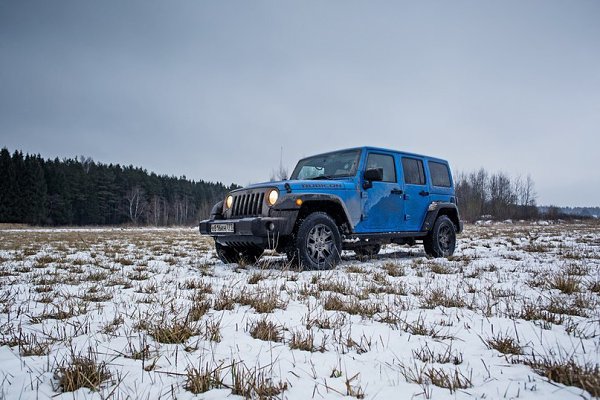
column 413, row 171
column 386, row 162
column 440, row 176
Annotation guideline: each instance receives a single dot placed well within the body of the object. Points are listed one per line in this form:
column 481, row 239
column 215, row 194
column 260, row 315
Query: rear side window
column 413, row 171
column 440, row 176
column 386, row 162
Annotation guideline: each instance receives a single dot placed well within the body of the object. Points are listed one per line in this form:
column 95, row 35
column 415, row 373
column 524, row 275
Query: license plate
column 222, row 228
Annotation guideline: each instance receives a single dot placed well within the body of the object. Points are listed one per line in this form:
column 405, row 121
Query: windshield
column 328, row 166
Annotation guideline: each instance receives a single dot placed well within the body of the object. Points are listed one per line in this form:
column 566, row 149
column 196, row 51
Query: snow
column 140, row 277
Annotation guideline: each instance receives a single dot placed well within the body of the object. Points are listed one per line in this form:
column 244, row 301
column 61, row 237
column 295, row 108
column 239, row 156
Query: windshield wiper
column 322, row 177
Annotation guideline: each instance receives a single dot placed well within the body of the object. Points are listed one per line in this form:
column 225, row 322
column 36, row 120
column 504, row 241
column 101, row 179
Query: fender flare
column 288, row 202
column 441, row 208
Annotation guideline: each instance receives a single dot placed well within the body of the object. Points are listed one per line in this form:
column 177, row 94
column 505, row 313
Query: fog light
column 270, row 226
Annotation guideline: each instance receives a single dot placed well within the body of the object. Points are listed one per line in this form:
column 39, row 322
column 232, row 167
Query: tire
column 441, row 240
column 318, row 242
column 368, row 251
column 230, row 255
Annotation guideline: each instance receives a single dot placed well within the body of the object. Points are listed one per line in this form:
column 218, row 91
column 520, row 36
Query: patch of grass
column 123, row 261
column 393, row 269
column 424, row 375
column 351, row 305
column 441, row 268
column 202, row 380
column 253, row 383
column 340, row 286
column 224, row 300
column 266, row 330
column 505, row 344
column 81, row 372
column 567, row 284
column 305, row 340
column 568, row 372
column 174, row 331
column 262, row 302
column 441, row 297
column 256, row 277
column 428, row 355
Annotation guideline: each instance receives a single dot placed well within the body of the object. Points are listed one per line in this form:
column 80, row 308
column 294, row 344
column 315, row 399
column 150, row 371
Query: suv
column 355, row 199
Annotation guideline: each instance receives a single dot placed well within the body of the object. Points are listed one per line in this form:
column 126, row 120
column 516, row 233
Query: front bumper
column 262, row 231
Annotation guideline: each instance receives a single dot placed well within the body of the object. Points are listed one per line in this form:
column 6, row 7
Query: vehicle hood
column 300, row 186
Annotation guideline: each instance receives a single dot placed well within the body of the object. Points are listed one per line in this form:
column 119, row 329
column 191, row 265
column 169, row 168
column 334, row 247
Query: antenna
column 281, row 159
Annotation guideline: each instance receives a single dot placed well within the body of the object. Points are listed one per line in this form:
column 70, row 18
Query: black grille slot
column 247, row 204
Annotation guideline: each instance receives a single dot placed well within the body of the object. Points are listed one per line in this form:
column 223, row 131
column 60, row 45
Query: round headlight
column 229, row 201
column 272, row 196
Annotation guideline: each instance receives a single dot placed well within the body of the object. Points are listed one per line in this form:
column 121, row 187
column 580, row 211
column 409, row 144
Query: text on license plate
column 222, row 228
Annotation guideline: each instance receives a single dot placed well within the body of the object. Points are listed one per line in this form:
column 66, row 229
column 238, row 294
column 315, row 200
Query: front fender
column 288, row 202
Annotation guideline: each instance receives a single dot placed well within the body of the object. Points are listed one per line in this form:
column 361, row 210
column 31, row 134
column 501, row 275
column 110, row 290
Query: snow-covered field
column 151, row 313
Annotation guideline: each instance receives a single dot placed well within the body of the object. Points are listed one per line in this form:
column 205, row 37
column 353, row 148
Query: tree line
column 495, row 196
column 81, row 191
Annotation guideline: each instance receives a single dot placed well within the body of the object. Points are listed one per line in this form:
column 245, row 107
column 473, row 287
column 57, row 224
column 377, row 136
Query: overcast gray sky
column 212, row 90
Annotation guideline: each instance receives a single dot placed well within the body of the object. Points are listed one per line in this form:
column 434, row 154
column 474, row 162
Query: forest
column 81, row 191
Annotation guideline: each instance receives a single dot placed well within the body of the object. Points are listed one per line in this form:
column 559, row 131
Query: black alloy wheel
column 441, row 240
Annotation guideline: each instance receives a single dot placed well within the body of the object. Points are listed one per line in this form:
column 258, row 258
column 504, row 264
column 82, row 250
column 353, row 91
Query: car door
column 416, row 192
column 383, row 204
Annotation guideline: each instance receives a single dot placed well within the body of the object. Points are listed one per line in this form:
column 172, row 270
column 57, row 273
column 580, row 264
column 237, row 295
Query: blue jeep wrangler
column 355, row 199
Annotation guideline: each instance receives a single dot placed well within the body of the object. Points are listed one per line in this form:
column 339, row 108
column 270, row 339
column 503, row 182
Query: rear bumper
column 261, row 231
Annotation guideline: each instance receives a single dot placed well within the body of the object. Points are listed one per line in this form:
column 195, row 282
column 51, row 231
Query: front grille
column 247, row 204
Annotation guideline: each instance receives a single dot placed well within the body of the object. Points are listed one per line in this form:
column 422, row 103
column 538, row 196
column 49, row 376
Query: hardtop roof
column 382, row 149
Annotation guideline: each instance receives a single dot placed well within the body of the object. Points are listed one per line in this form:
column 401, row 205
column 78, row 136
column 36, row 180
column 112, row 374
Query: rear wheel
column 318, row 242
column 441, row 240
column 229, row 255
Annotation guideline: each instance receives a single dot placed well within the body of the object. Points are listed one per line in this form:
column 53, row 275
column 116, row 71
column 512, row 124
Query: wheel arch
column 332, row 207
column 437, row 209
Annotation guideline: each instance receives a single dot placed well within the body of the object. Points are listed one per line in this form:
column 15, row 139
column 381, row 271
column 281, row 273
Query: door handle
column 424, row 193
column 397, row 191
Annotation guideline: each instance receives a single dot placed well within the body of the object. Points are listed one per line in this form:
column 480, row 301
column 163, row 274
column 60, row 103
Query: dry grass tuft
column 428, row 355
column 81, row 372
column 253, row 383
column 441, row 297
column 202, row 380
column 266, row 330
column 567, row 284
column 174, row 331
column 568, row 372
column 505, row 344
column 394, row 269
column 306, row 341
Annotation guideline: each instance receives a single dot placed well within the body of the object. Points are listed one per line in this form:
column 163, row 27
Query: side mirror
column 374, row 175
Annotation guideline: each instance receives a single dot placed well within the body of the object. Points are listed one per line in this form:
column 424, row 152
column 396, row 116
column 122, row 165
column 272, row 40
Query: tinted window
column 413, row 171
column 385, row 162
column 440, row 176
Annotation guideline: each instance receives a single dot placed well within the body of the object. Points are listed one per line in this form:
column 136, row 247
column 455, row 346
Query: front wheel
column 231, row 255
column 441, row 240
column 318, row 242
